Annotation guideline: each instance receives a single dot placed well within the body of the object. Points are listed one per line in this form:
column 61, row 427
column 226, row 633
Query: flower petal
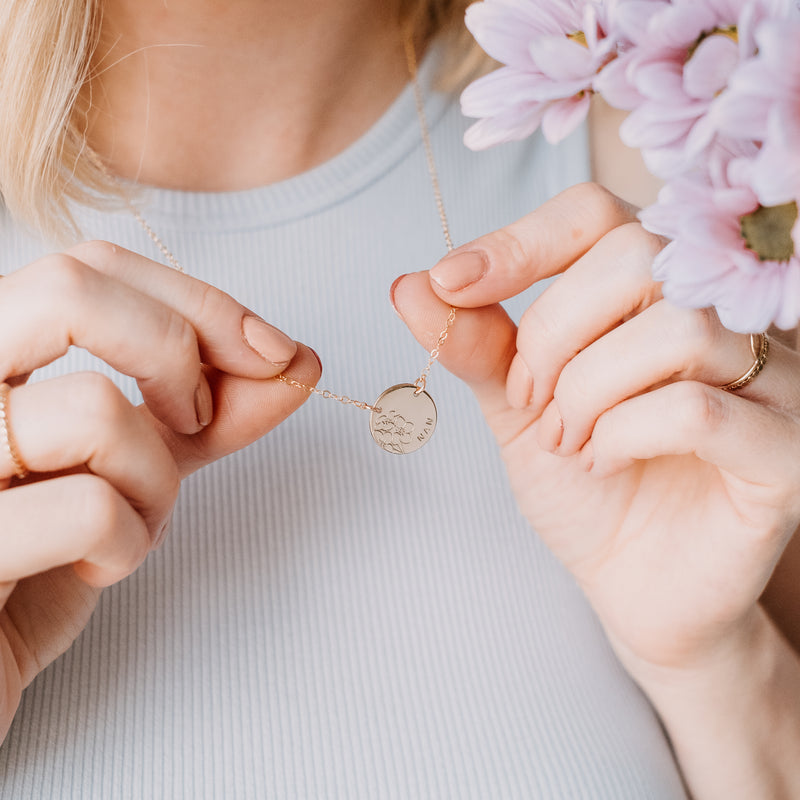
column 614, row 84
column 646, row 127
column 706, row 73
column 739, row 114
column 562, row 59
column 662, row 80
column 503, row 30
column 748, row 304
column 776, row 179
column 632, row 18
column 500, row 91
column 563, row 116
column 509, row 127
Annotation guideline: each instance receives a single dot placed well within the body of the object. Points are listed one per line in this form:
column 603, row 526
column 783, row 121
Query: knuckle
column 595, row 198
column 101, row 402
column 506, row 248
column 574, row 389
column 65, row 278
column 96, row 252
column 538, row 329
column 696, row 331
column 207, row 300
column 177, row 333
column 704, row 324
column 638, row 246
column 631, row 251
column 702, row 328
column 100, row 503
column 700, row 408
column 106, row 518
column 603, row 431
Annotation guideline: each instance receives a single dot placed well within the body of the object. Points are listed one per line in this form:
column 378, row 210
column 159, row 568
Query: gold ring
column 759, row 346
column 7, row 440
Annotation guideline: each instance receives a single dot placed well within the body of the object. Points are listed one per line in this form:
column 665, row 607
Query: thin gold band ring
column 759, row 346
column 7, row 440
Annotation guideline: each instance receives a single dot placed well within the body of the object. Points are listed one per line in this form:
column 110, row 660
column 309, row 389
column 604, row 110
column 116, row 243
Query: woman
column 324, row 619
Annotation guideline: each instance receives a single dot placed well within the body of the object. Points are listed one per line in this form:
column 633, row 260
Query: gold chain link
column 165, row 251
column 411, row 60
column 327, row 394
column 433, row 356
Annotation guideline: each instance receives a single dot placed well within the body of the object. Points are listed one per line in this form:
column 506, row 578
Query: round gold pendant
column 403, row 419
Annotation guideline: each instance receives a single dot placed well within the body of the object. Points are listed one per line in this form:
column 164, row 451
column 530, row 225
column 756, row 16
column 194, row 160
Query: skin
column 207, row 95
column 655, row 466
column 669, row 500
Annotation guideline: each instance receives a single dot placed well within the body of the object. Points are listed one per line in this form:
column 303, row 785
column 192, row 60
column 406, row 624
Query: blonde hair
column 47, row 48
column 444, row 19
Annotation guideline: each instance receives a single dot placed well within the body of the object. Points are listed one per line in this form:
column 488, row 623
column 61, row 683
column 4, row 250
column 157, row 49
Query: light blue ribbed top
column 327, row 620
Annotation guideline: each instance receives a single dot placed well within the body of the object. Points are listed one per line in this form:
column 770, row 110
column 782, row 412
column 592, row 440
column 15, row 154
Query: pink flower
column 684, row 57
column 728, row 251
column 551, row 51
column 628, row 22
column 763, row 103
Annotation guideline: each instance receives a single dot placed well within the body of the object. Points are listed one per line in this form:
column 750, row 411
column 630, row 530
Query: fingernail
column 459, row 270
column 270, row 343
column 520, row 384
column 392, row 291
column 316, row 355
column 203, row 402
column 162, row 534
column 586, row 458
column 552, row 431
column 560, row 433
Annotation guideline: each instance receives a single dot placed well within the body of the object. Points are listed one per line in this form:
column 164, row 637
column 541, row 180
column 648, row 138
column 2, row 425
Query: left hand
column 668, row 499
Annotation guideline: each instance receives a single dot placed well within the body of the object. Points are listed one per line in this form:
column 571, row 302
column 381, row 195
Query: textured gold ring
column 759, row 346
column 7, row 440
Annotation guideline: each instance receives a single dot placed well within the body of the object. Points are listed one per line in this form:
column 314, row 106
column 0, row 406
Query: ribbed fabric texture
column 327, row 620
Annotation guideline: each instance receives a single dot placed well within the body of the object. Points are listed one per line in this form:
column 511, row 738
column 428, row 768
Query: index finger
column 230, row 336
column 540, row 245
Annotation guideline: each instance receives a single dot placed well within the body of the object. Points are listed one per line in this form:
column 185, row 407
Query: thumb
column 480, row 344
column 245, row 409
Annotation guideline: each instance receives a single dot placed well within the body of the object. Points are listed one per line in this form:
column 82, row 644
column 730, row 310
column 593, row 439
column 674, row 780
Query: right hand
column 105, row 474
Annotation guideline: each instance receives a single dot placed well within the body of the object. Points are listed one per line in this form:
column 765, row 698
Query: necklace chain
column 433, row 356
column 411, row 59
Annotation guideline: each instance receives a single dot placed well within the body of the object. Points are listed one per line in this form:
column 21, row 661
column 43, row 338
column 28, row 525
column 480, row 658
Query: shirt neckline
column 378, row 150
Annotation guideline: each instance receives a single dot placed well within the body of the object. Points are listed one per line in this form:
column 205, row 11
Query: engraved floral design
column 392, row 431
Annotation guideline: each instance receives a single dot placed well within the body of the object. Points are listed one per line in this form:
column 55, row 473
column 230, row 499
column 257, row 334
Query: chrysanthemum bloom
column 728, row 251
column 763, row 103
column 551, row 51
column 628, row 22
column 685, row 56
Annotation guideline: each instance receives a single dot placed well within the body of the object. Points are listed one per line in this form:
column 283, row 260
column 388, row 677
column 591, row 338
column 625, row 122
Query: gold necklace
column 404, row 416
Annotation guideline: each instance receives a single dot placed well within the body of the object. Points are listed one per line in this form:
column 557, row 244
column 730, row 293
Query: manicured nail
column 520, row 384
column 392, row 291
column 459, row 270
column 162, row 533
column 203, row 402
column 560, row 434
column 552, row 430
column 316, row 355
column 586, row 457
column 270, row 343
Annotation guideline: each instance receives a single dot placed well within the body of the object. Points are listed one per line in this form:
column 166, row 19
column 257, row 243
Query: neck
column 218, row 95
